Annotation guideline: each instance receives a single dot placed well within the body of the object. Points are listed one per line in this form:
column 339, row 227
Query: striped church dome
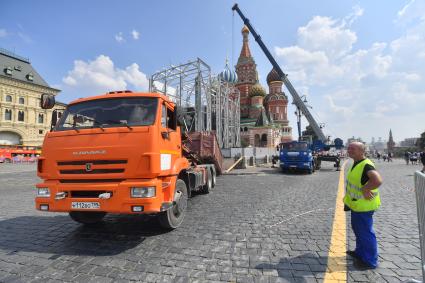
column 257, row 90
column 228, row 75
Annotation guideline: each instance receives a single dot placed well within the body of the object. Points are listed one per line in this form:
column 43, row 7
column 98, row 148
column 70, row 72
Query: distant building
column 353, row 139
column 379, row 145
column 409, row 142
column 22, row 121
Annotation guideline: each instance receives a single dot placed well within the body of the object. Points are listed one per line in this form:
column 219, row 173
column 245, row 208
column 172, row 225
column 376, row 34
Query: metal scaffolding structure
column 226, row 109
column 207, row 103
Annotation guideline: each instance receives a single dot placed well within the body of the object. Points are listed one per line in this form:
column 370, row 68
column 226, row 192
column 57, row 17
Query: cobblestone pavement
column 263, row 226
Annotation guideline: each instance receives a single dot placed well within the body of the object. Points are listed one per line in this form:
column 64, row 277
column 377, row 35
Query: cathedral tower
column 246, row 70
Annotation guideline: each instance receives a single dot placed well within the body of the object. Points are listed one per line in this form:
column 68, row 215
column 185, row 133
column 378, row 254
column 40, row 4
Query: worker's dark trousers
column 366, row 245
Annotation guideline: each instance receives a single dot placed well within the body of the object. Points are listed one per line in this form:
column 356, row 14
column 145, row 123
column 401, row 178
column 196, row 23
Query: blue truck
column 307, row 156
column 296, row 155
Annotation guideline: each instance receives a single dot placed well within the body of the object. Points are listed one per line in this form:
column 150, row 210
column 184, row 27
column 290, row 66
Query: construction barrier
column 420, row 204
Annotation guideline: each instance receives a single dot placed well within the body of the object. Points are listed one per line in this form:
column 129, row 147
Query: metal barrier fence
column 420, row 204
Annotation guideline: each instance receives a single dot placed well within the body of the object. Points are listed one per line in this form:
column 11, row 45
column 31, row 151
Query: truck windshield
column 114, row 112
column 294, row 146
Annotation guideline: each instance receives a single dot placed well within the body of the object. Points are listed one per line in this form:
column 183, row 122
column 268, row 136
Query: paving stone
column 234, row 234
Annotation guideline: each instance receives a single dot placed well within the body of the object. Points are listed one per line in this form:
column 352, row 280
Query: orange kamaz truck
column 123, row 153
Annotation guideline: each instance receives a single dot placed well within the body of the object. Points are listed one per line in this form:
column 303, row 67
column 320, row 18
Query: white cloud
column 415, row 9
column 135, row 34
column 119, row 37
column 26, row 38
column 351, row 18
column 326, row 35
column 360, row 92
column 3, row 32
column 100, row 75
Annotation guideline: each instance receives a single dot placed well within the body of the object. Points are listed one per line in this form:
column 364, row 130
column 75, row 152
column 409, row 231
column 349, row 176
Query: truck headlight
column 143, row 192
column 43, row 192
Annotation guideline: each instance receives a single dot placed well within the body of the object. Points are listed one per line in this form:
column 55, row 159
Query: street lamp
column 298, row 113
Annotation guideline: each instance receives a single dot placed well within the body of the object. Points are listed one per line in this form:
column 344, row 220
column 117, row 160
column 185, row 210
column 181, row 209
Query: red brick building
column 264, row 120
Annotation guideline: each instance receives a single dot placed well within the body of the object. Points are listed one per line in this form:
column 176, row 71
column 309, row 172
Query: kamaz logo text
column 89, row 152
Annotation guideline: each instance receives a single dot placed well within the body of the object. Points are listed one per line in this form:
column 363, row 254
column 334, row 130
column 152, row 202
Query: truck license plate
column 85, row 205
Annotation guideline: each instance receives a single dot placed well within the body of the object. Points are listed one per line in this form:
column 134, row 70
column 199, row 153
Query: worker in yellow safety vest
column 362, row 198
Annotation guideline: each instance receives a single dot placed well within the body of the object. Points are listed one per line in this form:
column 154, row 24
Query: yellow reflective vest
column 354, row 198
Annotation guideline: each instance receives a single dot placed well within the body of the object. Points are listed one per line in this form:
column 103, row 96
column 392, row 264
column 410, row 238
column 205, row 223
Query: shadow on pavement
column 301, row 268
column 61, row 236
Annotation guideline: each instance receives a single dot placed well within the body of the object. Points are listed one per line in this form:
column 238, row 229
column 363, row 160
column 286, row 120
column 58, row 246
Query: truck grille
column 89, row 167
column 94, row 162
column 87, row 194
column 293, row 158
column 94, row 171
column 81, row 181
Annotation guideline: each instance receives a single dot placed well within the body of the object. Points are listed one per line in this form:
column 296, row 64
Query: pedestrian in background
column 413, row 158
column 423, row 160
column 362, row 198
column 407, row 157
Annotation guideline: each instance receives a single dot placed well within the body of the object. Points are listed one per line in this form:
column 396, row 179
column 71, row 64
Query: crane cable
column 233, row 34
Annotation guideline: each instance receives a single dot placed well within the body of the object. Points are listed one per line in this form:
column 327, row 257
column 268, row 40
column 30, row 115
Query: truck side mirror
column 54, row 119
column 47, row 101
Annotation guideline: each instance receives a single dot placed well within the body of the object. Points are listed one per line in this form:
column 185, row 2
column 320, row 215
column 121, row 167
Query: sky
column 360, row 64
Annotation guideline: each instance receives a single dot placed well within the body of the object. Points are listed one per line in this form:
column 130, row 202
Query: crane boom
column 297, row 99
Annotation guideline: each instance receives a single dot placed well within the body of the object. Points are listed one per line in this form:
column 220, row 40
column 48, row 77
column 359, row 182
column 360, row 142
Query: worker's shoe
column 352, row 254
column 361, row 265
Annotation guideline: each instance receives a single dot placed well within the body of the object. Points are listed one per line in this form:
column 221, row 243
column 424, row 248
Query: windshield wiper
column 95, row 122
column 120, row 123
column 74, row 127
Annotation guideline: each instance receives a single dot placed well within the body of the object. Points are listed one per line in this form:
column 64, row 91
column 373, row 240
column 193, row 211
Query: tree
column 420, row 143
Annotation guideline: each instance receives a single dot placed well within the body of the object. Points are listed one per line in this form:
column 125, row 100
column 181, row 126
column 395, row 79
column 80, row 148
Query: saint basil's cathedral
column 264, row 120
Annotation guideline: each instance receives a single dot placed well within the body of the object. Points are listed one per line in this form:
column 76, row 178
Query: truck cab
column 119, row 152
column 296, row 155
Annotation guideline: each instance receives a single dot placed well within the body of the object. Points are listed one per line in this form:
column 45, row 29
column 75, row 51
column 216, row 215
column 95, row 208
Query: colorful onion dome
column 228, row 75
column 273, row 76
column 257, row 90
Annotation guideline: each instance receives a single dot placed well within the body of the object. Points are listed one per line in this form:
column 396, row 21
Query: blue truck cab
column 296, row 155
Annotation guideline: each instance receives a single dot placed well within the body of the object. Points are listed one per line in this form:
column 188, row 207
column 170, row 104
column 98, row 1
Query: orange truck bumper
column 120, row 200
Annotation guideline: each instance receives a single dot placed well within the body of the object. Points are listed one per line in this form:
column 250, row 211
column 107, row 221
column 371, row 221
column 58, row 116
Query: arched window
column 40, row 118
column 21, row 116
column 21, row 100
column 8, row 98
column 263, row 142
column 8, row 115
column 257, row 140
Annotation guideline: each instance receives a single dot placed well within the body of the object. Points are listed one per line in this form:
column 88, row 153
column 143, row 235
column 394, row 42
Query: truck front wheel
column 173, row 217
column 87, row 217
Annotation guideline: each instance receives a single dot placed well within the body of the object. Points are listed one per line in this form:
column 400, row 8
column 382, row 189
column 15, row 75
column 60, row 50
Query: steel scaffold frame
column 208, row 103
